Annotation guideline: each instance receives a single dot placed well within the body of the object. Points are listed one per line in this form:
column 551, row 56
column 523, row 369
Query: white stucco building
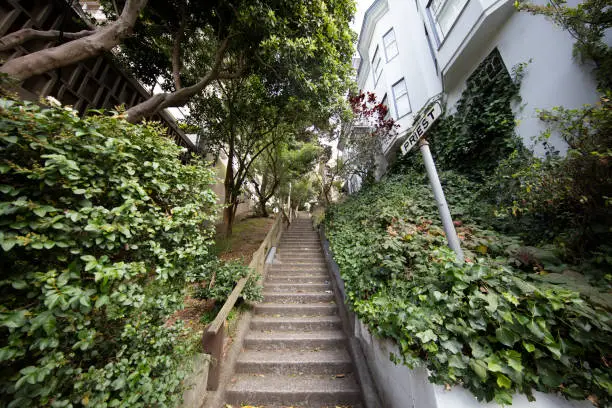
column 411, row 50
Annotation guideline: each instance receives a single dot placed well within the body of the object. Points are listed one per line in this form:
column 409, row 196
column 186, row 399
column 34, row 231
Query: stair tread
column 295, row 319
column 284, row 356
column 294, row 383
column 296, row 335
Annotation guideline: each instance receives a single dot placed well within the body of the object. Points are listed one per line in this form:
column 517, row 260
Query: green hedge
column 100, row 226
column 485, row 324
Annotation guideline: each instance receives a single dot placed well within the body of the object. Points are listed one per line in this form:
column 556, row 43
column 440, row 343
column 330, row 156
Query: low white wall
column 398, row 386
column 401, row 387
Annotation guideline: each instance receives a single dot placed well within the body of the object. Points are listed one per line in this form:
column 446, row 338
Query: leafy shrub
column 563, row 199
column 223, row 279
column 483, row 324
column 99, row 225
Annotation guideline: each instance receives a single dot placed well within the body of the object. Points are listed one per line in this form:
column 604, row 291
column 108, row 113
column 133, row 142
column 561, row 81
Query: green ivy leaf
column 503, row 381
column 506, row 336
column 480, row 368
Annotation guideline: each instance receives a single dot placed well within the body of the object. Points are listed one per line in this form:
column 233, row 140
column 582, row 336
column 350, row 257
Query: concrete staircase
column 295, row 352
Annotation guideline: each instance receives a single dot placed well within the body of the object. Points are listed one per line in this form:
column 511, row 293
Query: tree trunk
column 103, row 39
column 28, row 34
column 228, row 184
column 262, row 207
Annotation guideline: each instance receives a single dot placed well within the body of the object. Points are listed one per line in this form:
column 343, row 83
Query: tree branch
column 103, row 39
column 178, row 98
column 27, row 34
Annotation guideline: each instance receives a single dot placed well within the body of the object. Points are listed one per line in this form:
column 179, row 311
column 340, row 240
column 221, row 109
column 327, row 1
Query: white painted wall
column 414, row 62
column 402, row 387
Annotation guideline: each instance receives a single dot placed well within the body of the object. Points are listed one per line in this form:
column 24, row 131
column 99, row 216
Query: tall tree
column 298, row 47
column 241, row 120
column 283, row 163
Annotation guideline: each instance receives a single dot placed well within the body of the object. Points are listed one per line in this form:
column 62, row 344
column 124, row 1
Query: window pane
column 389, row 38
column 400, row 89
column 390, row 45
column 403, row 105
column 446, row 12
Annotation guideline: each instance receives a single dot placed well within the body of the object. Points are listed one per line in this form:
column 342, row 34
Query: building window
column 400, row 94
column 443, row 14
column 390, row 44
column 376, row 66
column 385, row 103
column 387, row 138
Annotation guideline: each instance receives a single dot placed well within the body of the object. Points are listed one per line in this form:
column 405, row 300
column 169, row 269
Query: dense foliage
column 563, row 199
column 100, row 227
column 221, row 282
column 494, row 324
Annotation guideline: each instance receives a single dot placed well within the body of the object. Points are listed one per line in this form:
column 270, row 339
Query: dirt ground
column 245, row 240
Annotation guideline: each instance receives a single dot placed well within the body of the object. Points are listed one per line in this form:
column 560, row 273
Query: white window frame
column 376, row 66
column 436, row 8
column 396, row 97
column 393, row 44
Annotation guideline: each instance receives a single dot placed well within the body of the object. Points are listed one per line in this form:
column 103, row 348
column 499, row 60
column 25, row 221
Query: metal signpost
column 421, row 125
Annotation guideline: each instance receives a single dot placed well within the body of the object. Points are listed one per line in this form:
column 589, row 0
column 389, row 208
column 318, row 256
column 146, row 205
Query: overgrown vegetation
column 530, row 309
column 496, row 324
column 101, row 225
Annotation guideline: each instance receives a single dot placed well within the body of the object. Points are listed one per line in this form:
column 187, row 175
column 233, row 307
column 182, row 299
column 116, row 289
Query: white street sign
column 422, row 125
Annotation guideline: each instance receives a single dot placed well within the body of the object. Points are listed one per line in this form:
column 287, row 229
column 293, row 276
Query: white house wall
column 553, row 78
column 413, row 63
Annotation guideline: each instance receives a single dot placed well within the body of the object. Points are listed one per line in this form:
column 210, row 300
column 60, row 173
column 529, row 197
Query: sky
column 362, row 6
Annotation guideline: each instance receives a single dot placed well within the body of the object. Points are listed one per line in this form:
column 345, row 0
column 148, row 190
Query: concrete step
column 297, row 245
column 284, row 259
column 312, row 323
column 305, row 297
column 300, row 246
column 296, row 309
column 301, row 263
column 297, row 251
column 294, row 362
column 313, row 278
column 296, row 287
column 286, row 266
column 303, row 391
column 295, row 340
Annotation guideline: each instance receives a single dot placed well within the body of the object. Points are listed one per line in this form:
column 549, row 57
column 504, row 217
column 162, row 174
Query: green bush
column 100, row 224
column 484, row 324
column 224, row 277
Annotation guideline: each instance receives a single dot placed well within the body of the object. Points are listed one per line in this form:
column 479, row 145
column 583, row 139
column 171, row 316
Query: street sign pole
column 422, row 125
column 434, row 180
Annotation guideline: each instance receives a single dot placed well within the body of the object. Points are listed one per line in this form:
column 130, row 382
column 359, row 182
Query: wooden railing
column 214, row 336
